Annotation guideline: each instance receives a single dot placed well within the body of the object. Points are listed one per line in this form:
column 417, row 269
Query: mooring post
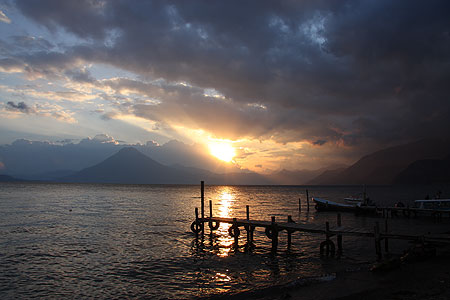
column 386, row 240
column 202, row 192
column 236, row 233
column 327, row 230
column 248, row 228
column 327, row 237
column 196, row 222
column 290, row 232
column 274, row 235
column 299, row 204
column 210, row 209
column 377, row 240
column 339, row 236
column 307, row 200
column 210, row 215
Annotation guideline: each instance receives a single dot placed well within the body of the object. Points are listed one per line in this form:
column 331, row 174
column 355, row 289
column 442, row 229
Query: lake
column 117, row 241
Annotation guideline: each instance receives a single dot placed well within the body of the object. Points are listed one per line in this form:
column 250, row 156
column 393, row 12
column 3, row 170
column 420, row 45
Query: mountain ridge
column 383, row 166
column 130, row 166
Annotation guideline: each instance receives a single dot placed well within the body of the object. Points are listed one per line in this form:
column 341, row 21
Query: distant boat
column 426, row 207
column 355, row 206
column 353, row 200
column 327, row 205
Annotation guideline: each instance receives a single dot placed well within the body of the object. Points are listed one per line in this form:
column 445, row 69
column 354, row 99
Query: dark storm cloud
column 319, row 142
column 20, row 107
column 80, row 75
column 342, row 71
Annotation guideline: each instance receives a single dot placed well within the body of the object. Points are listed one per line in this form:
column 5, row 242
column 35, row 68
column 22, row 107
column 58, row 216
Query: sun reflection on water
column 225, row 199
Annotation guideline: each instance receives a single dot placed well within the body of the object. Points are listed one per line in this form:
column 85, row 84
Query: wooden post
column 196, row 221
column 236, row 236
column 377, row 240
column 327, row 229
column 339, row 236
column 327, row 237
column 365, row 196
column 299, row 204
column 307, row 200
column 274, row 235
column 249, row 231
column 202, row 192
column 289, row 240
column 210, row 215
column 386, row 240
column 210, row 208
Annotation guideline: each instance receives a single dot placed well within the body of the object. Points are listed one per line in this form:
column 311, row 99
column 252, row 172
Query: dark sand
column 427, row 279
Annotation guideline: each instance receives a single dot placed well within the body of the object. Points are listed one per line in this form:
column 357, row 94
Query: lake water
column 117, row 241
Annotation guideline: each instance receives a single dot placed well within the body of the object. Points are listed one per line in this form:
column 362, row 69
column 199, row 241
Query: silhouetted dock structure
column 413, row 212
column 273, row 228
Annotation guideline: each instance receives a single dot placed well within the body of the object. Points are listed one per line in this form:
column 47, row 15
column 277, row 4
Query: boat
column 359, row 198
column 354, row 200
column 425, row 207
column 327, row 205
column 357, row 206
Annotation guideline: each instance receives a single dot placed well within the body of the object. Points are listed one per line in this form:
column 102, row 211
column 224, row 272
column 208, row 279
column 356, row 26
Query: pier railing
column 327, row 247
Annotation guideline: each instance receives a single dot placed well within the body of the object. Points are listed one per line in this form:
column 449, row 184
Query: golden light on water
column 225, row 199
column 222, row 150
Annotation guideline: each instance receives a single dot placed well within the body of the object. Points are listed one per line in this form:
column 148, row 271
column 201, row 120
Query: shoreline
column 420, row 279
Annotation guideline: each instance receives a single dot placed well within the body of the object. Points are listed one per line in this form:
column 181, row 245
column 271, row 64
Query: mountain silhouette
column 426, row 171
column 131, row 166
column 7, row 178
column 384, row 166
column 326, row 177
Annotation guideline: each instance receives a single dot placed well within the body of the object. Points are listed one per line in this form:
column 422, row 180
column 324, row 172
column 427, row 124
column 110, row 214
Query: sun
column 222, row 150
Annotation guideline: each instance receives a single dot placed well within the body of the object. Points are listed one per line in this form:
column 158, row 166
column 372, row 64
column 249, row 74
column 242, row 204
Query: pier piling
column 289, row 233
column 386, row 240
column 339, row 236
column 273, row 234
column 307, row 200
column 377, row 240
column 235, row 232
column 197, row 223
column 202, row 195
column 249, row 229
column 327, row 247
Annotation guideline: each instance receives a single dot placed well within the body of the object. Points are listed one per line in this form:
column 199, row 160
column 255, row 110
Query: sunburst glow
column 222, row 150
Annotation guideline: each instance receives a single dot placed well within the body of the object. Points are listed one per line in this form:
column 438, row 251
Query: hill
column 7, row 178
column 325, row 177
column 427, row 171
column 299, row 177
column 130, row 166
column 133, row 167
column 384, row 166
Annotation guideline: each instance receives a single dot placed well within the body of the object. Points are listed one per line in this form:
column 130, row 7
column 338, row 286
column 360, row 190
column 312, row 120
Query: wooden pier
column 273, row 227
column 408, row 212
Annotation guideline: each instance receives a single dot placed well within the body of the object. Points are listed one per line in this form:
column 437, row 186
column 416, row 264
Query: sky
column 275, row 84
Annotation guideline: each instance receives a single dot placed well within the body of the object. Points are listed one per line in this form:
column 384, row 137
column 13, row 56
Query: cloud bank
column 352, row 75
